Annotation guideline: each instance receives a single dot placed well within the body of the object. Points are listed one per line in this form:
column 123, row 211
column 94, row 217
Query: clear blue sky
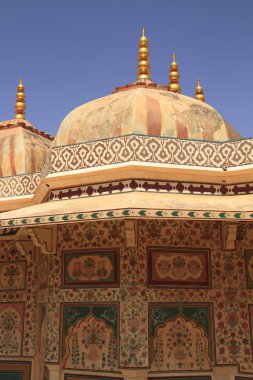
column 73, row 51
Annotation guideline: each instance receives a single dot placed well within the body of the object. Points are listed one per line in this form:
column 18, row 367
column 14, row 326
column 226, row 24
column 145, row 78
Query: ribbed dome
column 144, row 111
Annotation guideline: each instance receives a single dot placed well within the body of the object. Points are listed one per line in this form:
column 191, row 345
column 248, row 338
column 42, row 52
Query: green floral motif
column 199, row 314
column 108, row 313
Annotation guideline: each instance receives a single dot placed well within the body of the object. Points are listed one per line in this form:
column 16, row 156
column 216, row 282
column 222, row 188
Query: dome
column 24, row 148
column 144, row 111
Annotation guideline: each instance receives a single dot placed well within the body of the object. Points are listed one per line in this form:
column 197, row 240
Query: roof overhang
column 133, row 205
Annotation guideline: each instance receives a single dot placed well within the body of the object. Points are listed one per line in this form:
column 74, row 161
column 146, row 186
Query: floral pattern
column 90, row 336
column 11, row 328
column 230, row 296
column 12, row 275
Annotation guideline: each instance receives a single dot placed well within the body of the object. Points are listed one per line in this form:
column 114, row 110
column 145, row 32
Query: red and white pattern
column 150, row 149
column 19, row 185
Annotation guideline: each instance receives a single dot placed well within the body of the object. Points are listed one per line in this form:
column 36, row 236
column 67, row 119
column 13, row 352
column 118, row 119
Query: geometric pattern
column 19, row 185
column 136, row 148
column 150, row 149
column 126, row 186
column 127, row 213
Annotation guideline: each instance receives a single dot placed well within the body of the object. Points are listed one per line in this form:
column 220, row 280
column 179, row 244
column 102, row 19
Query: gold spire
column 20, row 101
column 174, row 76
column 143, row 58
column 199, row 93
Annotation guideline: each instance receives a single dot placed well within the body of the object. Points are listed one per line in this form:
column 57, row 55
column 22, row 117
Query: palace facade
column 126, row 242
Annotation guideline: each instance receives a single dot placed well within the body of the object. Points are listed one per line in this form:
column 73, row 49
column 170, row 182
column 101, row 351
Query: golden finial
column 20, row 100
column 174, row 76
column 143, row 58
column 199, row 93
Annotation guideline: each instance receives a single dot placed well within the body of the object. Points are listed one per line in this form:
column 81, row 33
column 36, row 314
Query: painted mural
column 12, row 275
column 90, row 336
column 138, row 345
column 227, row 295
column 21, row 301
column 178, row 267
column 11, row 328
column 181, row 337
column 91, row 268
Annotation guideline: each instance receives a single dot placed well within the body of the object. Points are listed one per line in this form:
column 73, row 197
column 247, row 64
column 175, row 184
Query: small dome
column 23, row 148
column 144, row 111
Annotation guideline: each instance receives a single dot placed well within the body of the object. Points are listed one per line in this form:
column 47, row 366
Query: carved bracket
column 131, row 233
column 25, row 239
column 45, row 238
column 229, row 232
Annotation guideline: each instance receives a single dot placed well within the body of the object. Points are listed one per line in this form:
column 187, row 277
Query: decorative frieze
column 20, row 185
column 148, row 186
column 150, row 149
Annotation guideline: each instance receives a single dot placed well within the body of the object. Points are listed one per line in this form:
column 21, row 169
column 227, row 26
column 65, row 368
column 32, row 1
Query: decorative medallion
column 96, row 268
column 175, row 267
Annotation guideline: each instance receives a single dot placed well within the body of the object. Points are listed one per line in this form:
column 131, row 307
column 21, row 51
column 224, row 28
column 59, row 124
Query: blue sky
column 73, row 51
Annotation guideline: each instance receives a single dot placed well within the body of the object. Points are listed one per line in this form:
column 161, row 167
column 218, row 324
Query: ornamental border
column 132, row 148
column 152, row 149
column 19, row 185
column 146, row 185
column 127, row 213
